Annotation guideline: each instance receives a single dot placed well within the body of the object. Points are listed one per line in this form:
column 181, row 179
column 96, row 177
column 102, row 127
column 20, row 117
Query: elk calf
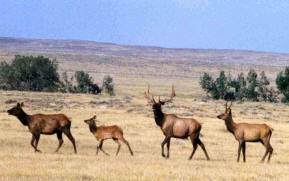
column 245, row 132
column 173, row 126
column 106, row 132
column 44, row 124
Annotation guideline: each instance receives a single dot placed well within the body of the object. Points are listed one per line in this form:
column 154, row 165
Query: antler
column 147, row 95
column 172, row 95
column 230, row 105
column 226, row 105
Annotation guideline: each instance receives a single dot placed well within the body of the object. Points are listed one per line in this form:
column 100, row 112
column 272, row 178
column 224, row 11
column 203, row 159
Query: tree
column 221, row 84
column 264, row 92
column 30, row 73
column 206, row 82
column 282, row 82
column 209, row 85
column 230, row 88
column 252, row 84
column 83, row 81
column 108, row 85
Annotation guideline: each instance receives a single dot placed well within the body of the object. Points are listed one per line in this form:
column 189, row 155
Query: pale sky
column 260, row 25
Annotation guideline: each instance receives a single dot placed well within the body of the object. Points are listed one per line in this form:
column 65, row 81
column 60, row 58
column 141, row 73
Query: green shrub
column 29, row 73
column 282, row 82
column 107, row 85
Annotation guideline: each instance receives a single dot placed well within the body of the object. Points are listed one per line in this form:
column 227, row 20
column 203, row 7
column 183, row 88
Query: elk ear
column 94, row 117
column 162, row 103
column 22, row 104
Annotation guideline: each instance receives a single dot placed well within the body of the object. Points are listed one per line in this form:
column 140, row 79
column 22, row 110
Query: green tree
column 221, row 84
column 107, row 85
column 30, row 73
column 206, row 82
column 264, row 92
column 282, row 82
column 84, row 81
column 252, row 84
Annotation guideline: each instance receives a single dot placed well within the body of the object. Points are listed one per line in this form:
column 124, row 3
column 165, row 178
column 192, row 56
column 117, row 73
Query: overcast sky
column 220, row 24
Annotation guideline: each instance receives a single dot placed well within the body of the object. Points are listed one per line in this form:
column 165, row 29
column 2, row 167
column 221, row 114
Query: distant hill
column 139, row 62
column 147, row 52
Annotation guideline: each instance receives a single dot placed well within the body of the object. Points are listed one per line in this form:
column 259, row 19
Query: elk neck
column 230, row 124
column 159, row 116
column 92, row 127
column 24, row 118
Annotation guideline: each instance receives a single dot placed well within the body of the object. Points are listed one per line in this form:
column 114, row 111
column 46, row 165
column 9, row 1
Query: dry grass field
column 129, row 110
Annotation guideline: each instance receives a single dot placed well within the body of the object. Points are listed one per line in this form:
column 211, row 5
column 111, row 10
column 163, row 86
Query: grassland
column 128, row 109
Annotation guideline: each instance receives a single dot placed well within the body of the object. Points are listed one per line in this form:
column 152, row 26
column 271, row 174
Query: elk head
column 16, row 110
column 227, row 113
column 91, row 121
column 159, row 103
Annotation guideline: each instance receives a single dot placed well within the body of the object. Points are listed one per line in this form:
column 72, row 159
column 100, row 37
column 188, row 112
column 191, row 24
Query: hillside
column 131, row 65
column 147, row 52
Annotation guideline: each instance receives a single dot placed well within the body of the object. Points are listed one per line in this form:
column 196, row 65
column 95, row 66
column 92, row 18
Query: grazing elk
column 106, row 132
column 44, row 124
column 174, row 126
column 245, row 132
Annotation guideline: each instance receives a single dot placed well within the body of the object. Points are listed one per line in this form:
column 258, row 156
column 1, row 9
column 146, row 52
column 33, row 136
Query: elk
column 173, row 126
column 106, row 132
column 245, row 132
column 47, row 124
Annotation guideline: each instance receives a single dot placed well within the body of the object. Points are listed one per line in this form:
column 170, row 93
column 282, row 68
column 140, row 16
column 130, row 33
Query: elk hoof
column 163, row 155
column 38, row 151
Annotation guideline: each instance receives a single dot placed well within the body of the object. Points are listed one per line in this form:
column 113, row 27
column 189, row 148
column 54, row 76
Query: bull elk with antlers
column 245, row 132
column 174, row 126
column 44, row 124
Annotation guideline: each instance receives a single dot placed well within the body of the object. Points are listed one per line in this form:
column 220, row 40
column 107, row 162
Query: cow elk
column 44, row 124
column 245, row 132
column 106, row 132
column 173, row 126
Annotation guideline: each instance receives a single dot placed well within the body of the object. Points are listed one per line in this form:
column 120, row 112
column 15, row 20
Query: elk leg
column 168, row 147
column 59, row 136
column 32, row 141
column 270, row 149
column 163, row 144
column 118, row 148
column 264, row 142
column 203, row 147
column 37, row 137
column 127, row 144
column 239, row 150
column 70, row 137
column 195, row 145
column 100, row 147
column 244, row 151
